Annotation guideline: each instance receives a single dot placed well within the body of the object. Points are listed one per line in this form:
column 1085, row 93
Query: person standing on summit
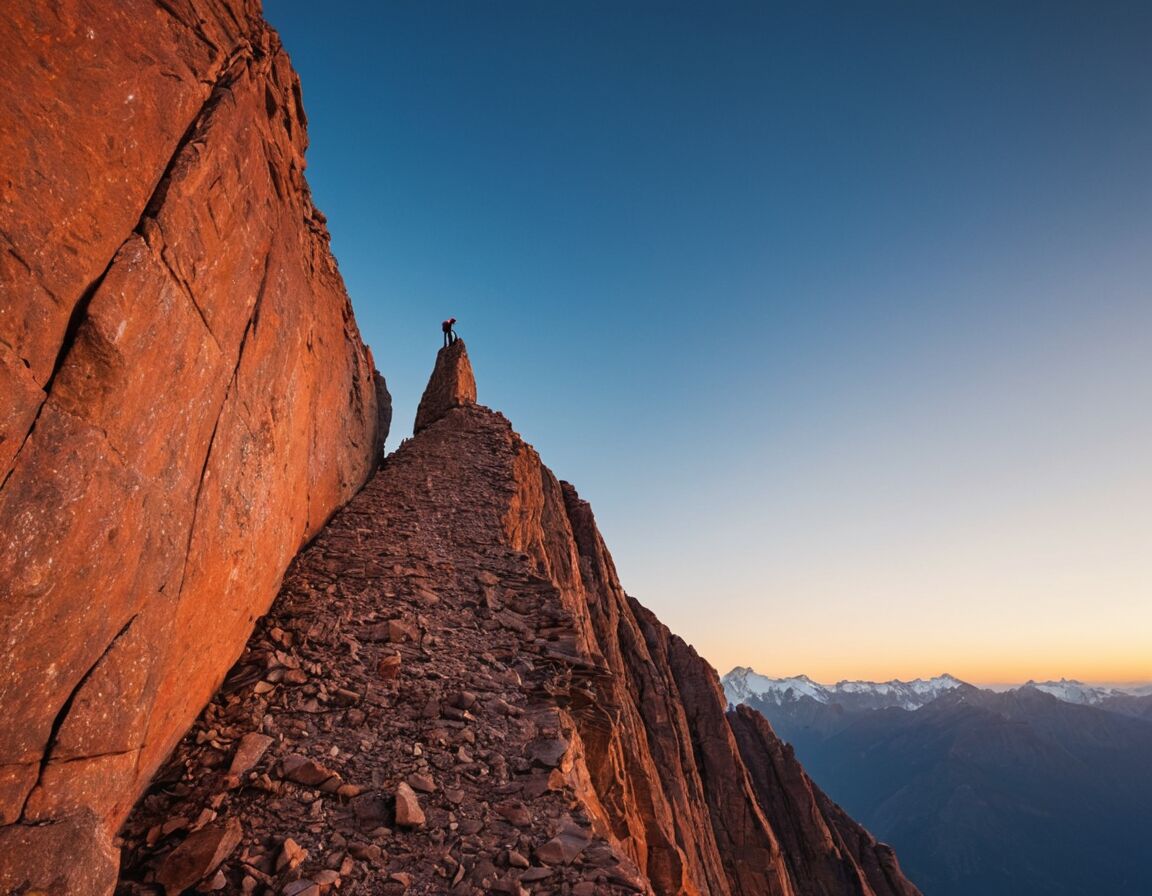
column 449, row 334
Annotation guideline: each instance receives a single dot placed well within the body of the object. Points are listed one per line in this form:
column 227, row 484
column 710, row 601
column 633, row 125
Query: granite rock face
column 184, row 395
column 493, row 714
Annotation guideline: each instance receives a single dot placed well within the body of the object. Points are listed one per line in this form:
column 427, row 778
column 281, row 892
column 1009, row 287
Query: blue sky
column 839, row 313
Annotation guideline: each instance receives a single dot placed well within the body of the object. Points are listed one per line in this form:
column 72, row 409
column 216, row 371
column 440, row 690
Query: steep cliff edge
column 453, row 693
column 184, row 396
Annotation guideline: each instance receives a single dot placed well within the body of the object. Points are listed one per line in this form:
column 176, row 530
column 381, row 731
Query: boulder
column 198, row 856
column 408, row 811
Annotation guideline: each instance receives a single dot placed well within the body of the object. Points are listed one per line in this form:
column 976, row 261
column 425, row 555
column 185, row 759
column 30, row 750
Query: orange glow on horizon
column 980, row 637
column 832, row 653
column 1117, row 671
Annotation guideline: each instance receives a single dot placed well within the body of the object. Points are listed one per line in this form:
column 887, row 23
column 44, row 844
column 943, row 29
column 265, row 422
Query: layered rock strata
column 184, row 396
column 453, row 694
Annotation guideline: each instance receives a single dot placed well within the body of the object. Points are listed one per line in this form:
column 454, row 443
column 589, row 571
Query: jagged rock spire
column 452, row 386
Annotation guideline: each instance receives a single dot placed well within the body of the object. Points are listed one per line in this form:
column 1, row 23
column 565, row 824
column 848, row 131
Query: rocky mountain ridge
column 453, row 693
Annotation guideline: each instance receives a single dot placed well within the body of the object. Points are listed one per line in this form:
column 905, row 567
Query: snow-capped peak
column 1072, row 691
column 743, row 685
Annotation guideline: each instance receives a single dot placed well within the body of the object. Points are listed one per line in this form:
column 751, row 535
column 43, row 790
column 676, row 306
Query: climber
column 449, row 333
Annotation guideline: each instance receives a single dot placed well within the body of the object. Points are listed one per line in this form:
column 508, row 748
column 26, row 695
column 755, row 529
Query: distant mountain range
column 1040, row 790
column 743, row 685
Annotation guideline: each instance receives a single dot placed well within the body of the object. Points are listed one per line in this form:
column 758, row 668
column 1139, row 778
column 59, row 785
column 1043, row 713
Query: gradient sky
column 839, row 314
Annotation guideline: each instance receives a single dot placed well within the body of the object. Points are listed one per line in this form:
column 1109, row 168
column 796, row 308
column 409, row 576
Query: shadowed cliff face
column 184, row 396
column 820, row 843
column 454, row 694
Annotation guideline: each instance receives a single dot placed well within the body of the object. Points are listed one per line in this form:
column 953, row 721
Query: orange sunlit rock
column 184, row 395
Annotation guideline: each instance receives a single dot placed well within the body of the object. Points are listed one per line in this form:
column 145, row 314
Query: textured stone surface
column 94, row 107
column 561, row 738
column 184, row 396
column 62, row 858
column 452, row 386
